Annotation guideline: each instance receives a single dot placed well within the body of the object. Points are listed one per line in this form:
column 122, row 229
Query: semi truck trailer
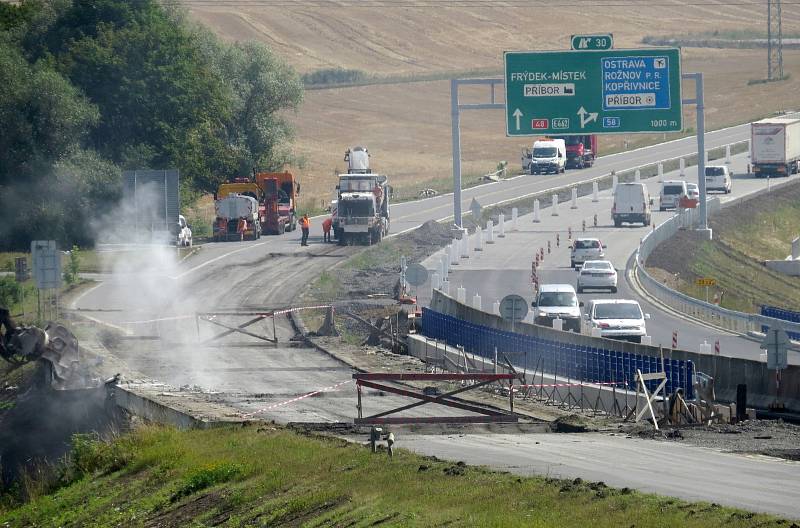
column 775, row 147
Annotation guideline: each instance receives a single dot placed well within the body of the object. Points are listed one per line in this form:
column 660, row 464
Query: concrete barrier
column 728, row 372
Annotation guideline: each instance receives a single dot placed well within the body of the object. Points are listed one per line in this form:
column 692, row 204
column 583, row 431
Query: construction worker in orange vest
column 241, row 228
column 326, row 229
column 305, row 225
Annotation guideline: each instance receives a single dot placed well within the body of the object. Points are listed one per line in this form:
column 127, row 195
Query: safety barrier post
column 595, row 192
column 514, row 213
column 490, row 232
column 554, row 207
column 660, row 171
column 536, row 211
column 479, row 239
column 501, row 223
column 637, row 176
column 462, row 294
column 476, row 302
column 727, row 154
column 614, row 181
column 574, row 198
column 682, row 165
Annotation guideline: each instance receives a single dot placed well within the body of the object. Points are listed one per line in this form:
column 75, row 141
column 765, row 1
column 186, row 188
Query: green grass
column 268, row 476
column 325, row 288
column 378, row 255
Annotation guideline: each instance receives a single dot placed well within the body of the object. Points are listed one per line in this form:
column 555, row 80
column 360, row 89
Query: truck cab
column 362, row 208
column 581, row 150
column 546, row 156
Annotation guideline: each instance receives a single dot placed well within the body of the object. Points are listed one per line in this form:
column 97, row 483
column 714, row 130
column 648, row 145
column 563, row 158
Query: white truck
column 775, row 146
column 362, row 208
column 547, row 155
column 237, row 217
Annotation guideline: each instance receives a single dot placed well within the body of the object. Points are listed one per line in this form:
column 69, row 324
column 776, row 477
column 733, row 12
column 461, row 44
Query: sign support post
column 455, row 117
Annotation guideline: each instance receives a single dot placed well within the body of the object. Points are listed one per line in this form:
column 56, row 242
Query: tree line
column 93, row 87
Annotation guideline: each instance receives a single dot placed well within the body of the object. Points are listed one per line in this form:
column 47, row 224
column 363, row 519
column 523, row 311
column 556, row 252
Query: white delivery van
column 631, row 204
column 718, row 178
column 547, row 155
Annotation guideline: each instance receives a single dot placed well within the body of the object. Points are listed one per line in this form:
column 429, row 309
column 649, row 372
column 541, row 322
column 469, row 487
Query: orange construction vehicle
column 276, row 194
column 280, row 191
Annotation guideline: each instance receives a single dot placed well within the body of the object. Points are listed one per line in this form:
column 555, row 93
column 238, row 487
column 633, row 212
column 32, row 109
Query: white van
column 671, row 193
column 547, row 155
column 557, row 301
column 718, row 178
column 631, row 204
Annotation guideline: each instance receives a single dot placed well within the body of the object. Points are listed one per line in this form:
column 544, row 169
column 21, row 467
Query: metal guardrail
column 731, row 320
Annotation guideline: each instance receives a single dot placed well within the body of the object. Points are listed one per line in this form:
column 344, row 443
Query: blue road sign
column 636, row 83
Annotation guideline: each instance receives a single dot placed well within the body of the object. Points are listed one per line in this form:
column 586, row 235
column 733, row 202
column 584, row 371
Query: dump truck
column 279, row 203
column 581, row 150
column 362, row 208
column 775, row 147
column 230, row 211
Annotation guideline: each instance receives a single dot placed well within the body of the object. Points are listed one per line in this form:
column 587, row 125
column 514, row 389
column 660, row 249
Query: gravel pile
column 764, row 437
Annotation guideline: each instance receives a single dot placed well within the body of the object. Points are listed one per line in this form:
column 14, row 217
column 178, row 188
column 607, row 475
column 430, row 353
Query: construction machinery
column 54, row 346
column 362, row 205
column 276, row 196
column 279, row 204
column 237, row 217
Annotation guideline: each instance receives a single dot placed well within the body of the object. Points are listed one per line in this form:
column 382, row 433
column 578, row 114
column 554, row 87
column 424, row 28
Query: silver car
column 597, row 274
column 584, row 249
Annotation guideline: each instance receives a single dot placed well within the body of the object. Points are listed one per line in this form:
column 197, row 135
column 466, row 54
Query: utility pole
column 774, row 41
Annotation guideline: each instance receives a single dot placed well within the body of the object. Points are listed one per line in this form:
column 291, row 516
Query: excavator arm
column 54, row 345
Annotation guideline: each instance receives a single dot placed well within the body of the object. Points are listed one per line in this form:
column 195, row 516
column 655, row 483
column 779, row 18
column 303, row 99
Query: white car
column 584, row 249
column 718, row 178
column 693, row 191
column 597, row 274
column 617, row 319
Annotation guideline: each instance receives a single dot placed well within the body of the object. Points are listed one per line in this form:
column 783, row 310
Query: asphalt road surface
column 505, row 266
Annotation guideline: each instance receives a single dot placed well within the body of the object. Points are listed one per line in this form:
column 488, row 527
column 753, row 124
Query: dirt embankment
column 745, row 234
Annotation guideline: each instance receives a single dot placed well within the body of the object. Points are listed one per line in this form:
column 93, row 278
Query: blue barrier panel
column 780, row 313
column 562, row 359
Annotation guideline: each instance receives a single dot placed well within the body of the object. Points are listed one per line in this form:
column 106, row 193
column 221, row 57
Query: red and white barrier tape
column 303, row 397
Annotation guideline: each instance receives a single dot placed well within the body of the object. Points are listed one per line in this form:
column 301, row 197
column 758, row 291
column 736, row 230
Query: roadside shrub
column 90, row 455
column 333, row 76
column 71, row 273
column 10, row 291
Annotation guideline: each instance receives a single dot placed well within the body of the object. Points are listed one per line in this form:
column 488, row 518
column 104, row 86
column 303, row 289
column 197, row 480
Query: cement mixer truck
column 362, row 204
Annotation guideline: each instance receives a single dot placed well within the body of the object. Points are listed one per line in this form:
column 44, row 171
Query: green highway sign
column 616, row 91
column 592, row 42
